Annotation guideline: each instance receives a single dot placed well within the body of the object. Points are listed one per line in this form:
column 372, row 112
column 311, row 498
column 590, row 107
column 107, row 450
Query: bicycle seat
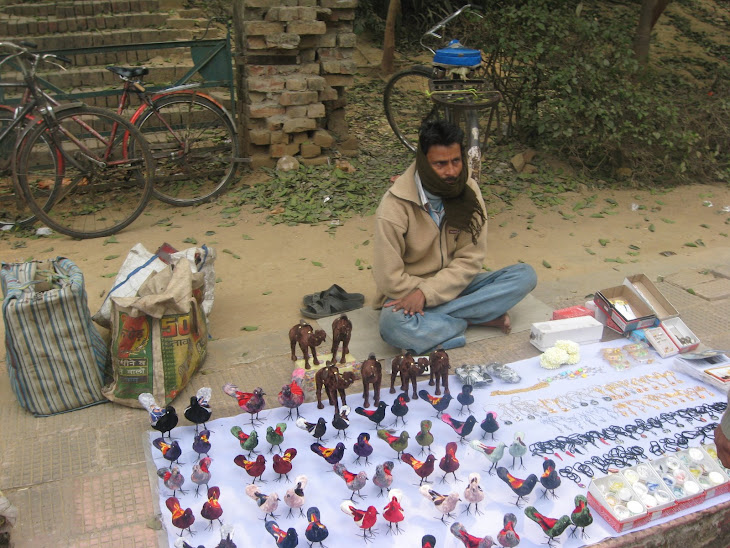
column 456, row 55
column 129, row 72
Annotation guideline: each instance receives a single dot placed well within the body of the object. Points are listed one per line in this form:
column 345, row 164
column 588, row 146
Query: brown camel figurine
column 439, row 362
column 405, row 366
column 372, row 373
column 334, row 382
column 308, row 338
column 341, row 332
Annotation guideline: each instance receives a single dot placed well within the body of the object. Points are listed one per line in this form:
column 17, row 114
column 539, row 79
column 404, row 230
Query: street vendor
column 722, row 437
column 431, row 249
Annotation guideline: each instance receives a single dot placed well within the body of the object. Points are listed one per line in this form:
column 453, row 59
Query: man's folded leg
column 421, row 334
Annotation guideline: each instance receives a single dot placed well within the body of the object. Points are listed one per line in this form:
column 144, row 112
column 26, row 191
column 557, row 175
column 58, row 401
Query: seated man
column 430, row 245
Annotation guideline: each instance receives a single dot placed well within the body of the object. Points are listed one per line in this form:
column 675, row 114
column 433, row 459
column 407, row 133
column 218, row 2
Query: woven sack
column 55, row 355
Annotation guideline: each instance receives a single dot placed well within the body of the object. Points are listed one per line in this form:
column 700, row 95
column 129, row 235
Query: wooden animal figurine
column 341, row 332
column 409, row 370
column 439, row 362
column 372, row 373
column 308, row 339
column 334, row 382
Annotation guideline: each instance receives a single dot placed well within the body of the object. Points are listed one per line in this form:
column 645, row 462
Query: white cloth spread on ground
column 327, row 491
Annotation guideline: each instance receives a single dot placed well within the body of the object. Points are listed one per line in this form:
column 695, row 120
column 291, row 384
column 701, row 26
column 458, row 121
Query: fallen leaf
column 603, row 242
column 190, row 240
column 109, row 275
column 546, row 264
column 317, row 263
column 249, row 328
column 667, row 253
column 247, row 237
column 652, row 228
column 110, row 257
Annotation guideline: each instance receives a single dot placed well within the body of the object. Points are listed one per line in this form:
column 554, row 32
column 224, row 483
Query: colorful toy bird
column 445, row 504
column 266, row 503
column 462, row 428
column 212, row 508
column 364, row 519
column 255, row 468
column 473, row 493
column 508, row 537
column 226, row 537
column 520, row 487
column 422, row 469
column 248, row 442
column 376, row 415
column 383, row 477
column 294, row 497
column 470, row 541
column 354, row 482
column 201, row 474
column 489, row 424
column 397, row 443
column 201, row 443
column 424, row 438
column 332, row 455
column 282, row 465
column 393, row 511
column 581, row 516
column 518, row 449
column 439, row 403
column 170, row 451
column 428, row 541
column 250, row 402
column 316, row 531
column 465, row 398
column 317, row 429
column 449, row 463
column 182, row 519
column 283, row 539
column 400, row 408
column 341, row 421
column 292, row 396
column 162, row 419
column 492, row 454
column 199, row 412
column 550, row 478
column 275, row 435
column 172, row 478
column 362, row 448
column 552, row 527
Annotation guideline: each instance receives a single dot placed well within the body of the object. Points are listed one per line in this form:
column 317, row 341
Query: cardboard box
column 680, row 334
column 705, row 470
column 571, row 312
column 582, row 330
column 662, row 343
column 605, row 503
column 625, row 308
column 650, row 294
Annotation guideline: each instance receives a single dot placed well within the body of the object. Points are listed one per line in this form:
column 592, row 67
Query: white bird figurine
column 294, row 497
column 445, row 504
column 266, row 503
column 473, row 493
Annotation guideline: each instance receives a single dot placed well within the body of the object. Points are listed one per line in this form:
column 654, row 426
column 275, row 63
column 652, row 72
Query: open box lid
column 650, row 294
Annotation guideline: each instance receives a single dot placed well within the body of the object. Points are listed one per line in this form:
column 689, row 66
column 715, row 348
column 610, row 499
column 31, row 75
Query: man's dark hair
column 439, row 132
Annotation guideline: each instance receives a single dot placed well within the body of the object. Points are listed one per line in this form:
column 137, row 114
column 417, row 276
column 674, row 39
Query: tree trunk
column 386, row 63
column 659, row 8
column 643, row 32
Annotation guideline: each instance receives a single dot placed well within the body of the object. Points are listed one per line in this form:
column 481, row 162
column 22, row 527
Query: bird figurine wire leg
column 581, row 516
column 517, row 449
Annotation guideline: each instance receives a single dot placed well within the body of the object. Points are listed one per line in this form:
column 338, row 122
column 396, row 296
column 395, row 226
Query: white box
column 582, row 330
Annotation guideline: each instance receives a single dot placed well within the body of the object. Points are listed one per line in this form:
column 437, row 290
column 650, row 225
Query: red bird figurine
column 449, row 463
column 254, row 468
column 365, row 519
column 182, row 519
column 393, row 511
column 201, row 474
column 250, row 402
column 212, row 508
column 172, row 478
column 283, row 465
column 470, row 541
column 422, row 469
column 291, row 397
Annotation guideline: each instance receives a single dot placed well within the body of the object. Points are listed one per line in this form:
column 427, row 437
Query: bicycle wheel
column 195, row 147
column 407, row 103
column 101, row 188
column 13, row 208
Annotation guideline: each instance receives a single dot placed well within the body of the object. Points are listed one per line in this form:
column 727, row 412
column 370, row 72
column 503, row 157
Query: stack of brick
column 298, row 63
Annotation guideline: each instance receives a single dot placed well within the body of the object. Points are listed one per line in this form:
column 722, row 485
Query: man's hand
column 411, row 304
column 723, row 447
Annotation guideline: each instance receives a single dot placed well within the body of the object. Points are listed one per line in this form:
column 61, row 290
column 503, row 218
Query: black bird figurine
column 489, row 424
column 316, row 531
column 400, row 408
column 439, row 403
column 317, row 429
column 161, row 419
column 520, row 487
column 550, row 478
column 465, row 398
column 376, row 415
column 341, row 421
column 199, row 412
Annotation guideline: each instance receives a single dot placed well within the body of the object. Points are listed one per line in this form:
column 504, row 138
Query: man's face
column 445, row 161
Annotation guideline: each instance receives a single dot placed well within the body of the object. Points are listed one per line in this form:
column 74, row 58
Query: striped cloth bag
column 55, row 355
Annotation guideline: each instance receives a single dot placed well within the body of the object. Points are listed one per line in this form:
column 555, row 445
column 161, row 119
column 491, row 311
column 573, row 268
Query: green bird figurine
column 552, row 527
column 248, row 441
column 581, row 516
column 276, row 435
column 424, row 438
column 397, row 443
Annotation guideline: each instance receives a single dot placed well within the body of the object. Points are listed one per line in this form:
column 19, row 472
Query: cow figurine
column 341, row 333
column 372, row 373
column 439, row 362
column 406, row 366
column 308, row 339
column 334, row 383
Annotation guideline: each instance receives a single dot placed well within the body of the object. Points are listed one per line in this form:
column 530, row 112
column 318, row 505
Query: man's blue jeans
column 487, row 297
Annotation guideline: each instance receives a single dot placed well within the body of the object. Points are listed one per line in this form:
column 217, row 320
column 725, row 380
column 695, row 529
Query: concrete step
column 30, row 27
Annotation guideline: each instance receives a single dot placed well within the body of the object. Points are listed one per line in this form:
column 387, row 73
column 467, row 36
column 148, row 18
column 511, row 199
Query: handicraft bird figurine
column 172, row 478
column 199, row 412
column 473, row 493
column 332, row 455
column 520, row 487
column 226, row 537
column 463, row 429
column 424, row 438
column 162, row 419
column 182, row 519
column 518, row 448
column 255, row 468
column 248, row 442
column 376, row 415
column 275, row 435
column 470, row 541
column 581, row 515
column 283, row 539
column 445, row 504
column 439, row 403
column 317, row 429
column 212, row 508
column 393, row 511
column 492, row 454
column 449, row 463
column 508, row 537
column 552, row 527
column 423, row 469
column 201, row 474
column 266, row 503
column 170, row 451
column 282, row 465
column 316, row 531
column 341, row 421
column 489, row 424
column 465, row 398
column 294, row 497
column 364, row 519
column 400, row 408
column 354, row 482
column 428, row 541
column 550, row 478
column 292, row 395
column 397, row 443
column 362, row 447
column 249, row 402
column 383, row 477
column 201, row 443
